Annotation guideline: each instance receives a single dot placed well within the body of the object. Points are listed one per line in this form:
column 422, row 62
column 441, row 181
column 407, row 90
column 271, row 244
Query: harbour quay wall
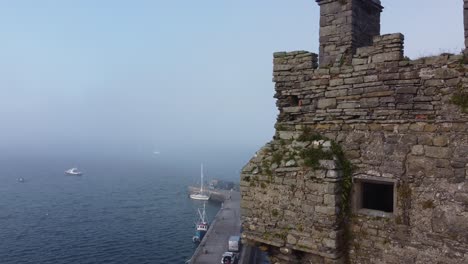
column 226, row 223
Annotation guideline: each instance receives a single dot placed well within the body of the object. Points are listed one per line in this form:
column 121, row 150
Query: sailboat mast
column 204, row 213
column 201, row 189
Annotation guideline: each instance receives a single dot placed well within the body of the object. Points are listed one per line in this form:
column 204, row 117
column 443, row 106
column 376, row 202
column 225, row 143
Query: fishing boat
column 201, row 226
column 201, row 195
column 74, row 172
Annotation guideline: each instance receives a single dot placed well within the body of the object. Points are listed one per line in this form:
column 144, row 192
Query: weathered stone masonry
column 397, row 121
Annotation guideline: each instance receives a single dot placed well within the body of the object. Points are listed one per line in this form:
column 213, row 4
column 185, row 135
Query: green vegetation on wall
column 460, row 98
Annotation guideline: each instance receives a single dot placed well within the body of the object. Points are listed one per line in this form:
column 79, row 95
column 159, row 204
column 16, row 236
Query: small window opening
column 293, row 100
column 377, row 196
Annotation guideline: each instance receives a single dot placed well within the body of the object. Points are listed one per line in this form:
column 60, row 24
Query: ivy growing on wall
column 311, row 158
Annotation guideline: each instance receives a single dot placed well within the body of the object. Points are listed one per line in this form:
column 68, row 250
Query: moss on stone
column 277, row 157
column 274, row 212
column 428, row 204
column 266, row 169
column 312, row 157
column 308, row 135
column 460, row 98
column 280, row 127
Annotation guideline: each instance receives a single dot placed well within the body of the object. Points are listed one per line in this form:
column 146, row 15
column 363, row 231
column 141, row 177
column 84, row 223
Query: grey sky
column 173, row 76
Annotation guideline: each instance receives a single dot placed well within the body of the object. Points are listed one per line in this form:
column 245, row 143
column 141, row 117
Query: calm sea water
column 119, row 211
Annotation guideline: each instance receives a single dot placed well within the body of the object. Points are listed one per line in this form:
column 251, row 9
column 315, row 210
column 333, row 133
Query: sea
column 120, row 211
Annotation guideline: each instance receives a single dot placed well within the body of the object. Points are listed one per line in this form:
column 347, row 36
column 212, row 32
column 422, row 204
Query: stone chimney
column 346, row 25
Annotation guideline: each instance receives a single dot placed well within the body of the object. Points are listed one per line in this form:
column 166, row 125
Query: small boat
column 200, row 195
column 20, row 179
column 201, row 226
column 74, row 172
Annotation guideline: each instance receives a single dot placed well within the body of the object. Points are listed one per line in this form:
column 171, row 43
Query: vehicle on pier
column 234, row 243
column 229, row 258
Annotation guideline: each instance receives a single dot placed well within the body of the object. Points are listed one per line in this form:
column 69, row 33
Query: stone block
column 333, row 174
column 286, row 135
column 279, row 54
column 357, row 61
column 417, row 127
column 336, row 93
column 284, row 67
column 425, row 139
column 388, row 56
column 378, row 94
column 291, row 239
column 417, row 150
column 423, row 106
column 371, row 78
column 462, row 198
column 437, row 152
column 354, row 80
column 307, row 243
column 369, row 102
column 440, row 141
column 348, row 105
column 330, row 243
column 326, row 103
column 445, row 73
column 328, row 164
column 330, row 199
column 336, row 82
column 292, row 109
column 389, row 76
column 406, row 90
column 326, row 210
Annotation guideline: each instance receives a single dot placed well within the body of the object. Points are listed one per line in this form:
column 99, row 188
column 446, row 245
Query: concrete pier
column 225, row 224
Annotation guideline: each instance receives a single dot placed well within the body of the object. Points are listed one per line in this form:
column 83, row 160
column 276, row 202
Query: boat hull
column 73, row 174
column 200, row 197
column 199, row 234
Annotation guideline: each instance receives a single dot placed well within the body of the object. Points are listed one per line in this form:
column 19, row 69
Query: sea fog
column 124, row 209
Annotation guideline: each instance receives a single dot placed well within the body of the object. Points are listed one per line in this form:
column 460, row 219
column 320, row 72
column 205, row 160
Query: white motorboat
column 200, row 195
column 73, row 171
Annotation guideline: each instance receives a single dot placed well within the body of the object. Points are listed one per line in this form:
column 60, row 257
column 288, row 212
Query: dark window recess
column 377, row 196
column 293, row 100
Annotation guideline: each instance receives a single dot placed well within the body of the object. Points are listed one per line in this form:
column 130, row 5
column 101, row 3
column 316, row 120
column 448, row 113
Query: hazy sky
column 173, row 76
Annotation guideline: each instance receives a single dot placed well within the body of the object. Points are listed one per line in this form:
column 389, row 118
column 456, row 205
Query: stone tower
column 344, row 26
column 369, row 161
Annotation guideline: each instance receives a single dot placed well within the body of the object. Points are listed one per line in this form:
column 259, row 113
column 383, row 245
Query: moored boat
column 201, row 226
column 201, row 195
column 73, row 171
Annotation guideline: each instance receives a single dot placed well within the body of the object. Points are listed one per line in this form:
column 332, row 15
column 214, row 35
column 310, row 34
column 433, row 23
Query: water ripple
column 98, row 218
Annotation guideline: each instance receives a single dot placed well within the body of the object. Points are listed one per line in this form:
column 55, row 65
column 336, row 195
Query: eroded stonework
column 397, row 122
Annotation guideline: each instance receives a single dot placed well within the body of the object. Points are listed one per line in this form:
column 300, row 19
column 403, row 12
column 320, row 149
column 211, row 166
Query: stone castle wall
column 397, row 122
